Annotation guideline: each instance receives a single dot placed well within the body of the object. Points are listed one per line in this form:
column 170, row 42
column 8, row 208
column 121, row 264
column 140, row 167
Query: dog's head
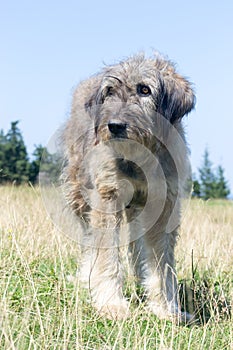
column 131, row 93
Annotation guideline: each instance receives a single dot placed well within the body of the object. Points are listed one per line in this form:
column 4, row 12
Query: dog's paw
column 116, row 312
column 187, row 318
column 174, row 315
column 71, row 279
column 159, row 310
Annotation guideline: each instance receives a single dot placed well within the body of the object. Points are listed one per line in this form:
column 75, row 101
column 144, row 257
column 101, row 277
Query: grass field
column 41, row 309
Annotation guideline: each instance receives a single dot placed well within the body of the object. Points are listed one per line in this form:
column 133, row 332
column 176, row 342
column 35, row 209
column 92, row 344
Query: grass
column 41, row 309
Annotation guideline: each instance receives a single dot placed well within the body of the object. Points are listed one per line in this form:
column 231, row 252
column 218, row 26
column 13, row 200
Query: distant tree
column 222, row 189
column 207, row 177
column 15, row 165
column 13, row 155
column 2, row 155
column 50, row 167
column 2, row 138
column 35, row 164
column 211, row 184
column 196, row 187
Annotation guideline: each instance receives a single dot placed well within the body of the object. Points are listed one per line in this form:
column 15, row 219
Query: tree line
column 210, row 182
column 16, row 166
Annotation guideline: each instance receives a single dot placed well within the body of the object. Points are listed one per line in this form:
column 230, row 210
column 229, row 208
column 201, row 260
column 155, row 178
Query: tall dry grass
column 207, row 230
column 41, row 309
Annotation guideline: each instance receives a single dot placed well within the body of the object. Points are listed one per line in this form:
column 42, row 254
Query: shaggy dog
column 126, row 168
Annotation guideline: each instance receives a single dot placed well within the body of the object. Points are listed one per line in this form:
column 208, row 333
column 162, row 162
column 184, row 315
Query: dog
column 125, row 170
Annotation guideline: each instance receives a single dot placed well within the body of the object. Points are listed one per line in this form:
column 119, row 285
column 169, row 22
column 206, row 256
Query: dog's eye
column 143, row 90
column 109, row 91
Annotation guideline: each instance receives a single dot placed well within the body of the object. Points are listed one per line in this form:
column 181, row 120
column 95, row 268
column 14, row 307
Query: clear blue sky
column 47, row 47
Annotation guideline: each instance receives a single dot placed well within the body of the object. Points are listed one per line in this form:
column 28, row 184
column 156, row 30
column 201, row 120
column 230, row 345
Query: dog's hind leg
column 159, row 276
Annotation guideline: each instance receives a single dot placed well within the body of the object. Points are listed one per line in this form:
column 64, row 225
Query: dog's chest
column 129, row 171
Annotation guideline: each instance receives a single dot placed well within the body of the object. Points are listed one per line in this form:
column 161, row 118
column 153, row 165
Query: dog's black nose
column 116, row 128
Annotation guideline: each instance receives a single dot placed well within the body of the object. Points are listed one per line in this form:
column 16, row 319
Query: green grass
column 41, row 309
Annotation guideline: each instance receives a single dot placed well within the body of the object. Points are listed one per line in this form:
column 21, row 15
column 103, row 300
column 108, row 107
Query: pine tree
column 50, row 167
column 16, row 163
column 207, row 178
column 2, row 155
column 211, row 184
column 196, row 187
column 222, row 189
column 35, row 164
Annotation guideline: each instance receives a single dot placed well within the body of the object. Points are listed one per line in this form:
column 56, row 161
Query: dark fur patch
column 176, row 99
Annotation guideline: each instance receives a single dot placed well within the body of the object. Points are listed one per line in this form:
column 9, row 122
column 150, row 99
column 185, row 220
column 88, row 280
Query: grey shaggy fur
column 120, row 117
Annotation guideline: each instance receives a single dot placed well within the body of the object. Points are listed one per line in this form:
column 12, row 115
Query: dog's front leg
column 101, row 268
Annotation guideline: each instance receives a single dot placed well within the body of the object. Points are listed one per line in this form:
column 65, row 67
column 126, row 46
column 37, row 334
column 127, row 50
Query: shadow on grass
column 206, row 298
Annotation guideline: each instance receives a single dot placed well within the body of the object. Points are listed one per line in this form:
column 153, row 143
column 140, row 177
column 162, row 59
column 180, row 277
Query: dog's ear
column 93, row 96
column 176, row 94
column 106, row 87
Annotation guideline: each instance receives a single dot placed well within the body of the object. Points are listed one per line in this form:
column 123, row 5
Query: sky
column 48, row 47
